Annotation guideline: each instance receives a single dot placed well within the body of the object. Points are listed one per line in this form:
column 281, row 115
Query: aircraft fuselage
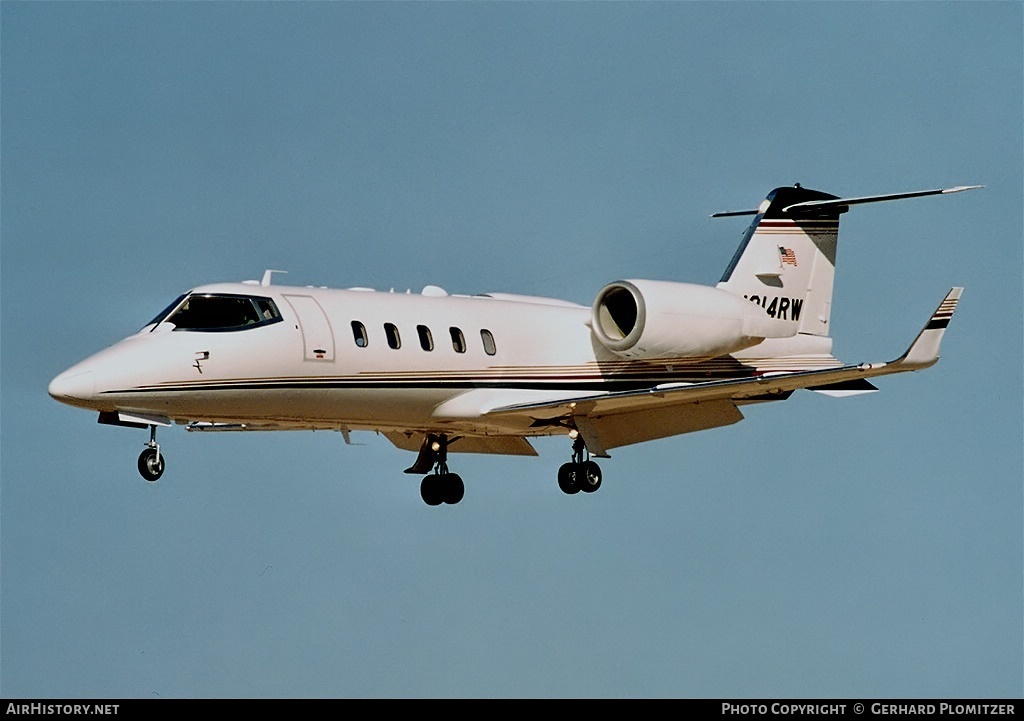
column 335, row 359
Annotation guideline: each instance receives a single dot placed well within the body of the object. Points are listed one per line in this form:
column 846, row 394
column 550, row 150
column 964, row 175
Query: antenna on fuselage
column 268, row 276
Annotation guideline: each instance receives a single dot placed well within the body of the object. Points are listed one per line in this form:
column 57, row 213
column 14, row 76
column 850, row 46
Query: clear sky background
column 821, row 548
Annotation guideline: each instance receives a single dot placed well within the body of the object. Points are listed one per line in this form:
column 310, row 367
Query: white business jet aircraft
column 438, row 373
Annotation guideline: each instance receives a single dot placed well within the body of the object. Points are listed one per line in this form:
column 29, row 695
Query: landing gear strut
column 441, row 486
column 151, row 462
column 582, row 474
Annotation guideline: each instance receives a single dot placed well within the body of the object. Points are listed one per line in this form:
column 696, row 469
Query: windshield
column 219, row 312
column 163, row 314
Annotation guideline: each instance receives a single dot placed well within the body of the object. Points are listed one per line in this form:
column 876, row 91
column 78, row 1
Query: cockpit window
column 221, row 312
column 267, row 309
column 163, row 314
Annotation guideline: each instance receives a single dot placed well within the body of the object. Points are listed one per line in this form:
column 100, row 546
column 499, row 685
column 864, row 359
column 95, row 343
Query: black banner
column 738, row 708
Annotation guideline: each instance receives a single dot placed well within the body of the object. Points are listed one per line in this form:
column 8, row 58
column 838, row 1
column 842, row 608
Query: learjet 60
column 438, row 373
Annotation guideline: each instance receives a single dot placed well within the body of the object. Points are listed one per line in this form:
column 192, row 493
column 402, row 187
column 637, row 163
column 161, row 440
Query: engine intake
column 661, row 319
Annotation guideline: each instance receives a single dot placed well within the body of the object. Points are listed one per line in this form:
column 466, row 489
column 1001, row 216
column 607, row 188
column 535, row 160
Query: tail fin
column 786, row 261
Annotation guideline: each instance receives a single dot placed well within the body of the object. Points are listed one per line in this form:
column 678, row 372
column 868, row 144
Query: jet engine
column 661, row 319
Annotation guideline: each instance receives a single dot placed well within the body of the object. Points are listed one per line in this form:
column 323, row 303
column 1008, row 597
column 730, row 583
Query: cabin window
column 359, row 334
column 214, row 312
column 458, row 340
column 426, row 340
column 488, row 339
column 394, row 339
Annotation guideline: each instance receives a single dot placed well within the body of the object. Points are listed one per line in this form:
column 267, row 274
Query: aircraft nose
column 70, row 387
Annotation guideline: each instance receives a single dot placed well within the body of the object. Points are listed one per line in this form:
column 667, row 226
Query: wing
column 615, row 419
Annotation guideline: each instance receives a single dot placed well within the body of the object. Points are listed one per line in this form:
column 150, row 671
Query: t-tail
column 787, row 259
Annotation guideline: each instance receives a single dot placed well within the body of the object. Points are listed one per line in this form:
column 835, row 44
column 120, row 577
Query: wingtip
column 924, row 351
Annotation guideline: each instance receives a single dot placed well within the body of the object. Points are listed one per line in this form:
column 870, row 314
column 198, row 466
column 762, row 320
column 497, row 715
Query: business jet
column 437, row 373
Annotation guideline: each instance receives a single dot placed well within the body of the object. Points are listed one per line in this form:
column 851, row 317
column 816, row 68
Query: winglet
column 924, row 351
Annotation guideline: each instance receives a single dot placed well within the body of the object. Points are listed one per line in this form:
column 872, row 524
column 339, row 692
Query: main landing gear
column 440, row 486
column 582, row 474
column 151, row 462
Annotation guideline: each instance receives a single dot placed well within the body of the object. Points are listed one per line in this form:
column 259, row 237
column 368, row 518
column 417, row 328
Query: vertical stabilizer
column 786, row 260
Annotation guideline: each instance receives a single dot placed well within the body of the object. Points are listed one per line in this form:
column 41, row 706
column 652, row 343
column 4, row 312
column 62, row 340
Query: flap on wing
column 623, row 429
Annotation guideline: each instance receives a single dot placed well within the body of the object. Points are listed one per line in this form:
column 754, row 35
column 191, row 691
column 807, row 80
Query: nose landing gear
column 151, row 462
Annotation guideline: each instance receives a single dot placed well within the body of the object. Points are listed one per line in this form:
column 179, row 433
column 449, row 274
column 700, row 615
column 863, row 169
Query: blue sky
column 864, row 547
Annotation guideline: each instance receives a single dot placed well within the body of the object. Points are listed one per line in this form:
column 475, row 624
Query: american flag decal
column 787, row 255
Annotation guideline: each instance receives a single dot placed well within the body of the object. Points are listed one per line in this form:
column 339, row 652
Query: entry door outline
column 317, row 334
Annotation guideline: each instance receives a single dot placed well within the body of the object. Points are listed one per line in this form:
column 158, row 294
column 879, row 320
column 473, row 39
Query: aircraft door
column 317, row 336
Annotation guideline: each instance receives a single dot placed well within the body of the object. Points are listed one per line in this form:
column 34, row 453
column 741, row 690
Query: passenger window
column 359, row 334
column 458, row 340
column 426, row 340
column 391, row 331
column 488, row 339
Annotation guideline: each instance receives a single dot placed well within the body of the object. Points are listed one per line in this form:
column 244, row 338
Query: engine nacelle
column 660, row 319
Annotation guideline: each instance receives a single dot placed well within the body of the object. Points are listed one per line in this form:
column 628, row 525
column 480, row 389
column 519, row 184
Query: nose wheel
column 151, row 461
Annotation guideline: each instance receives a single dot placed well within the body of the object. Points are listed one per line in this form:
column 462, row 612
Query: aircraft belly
column 329, row 406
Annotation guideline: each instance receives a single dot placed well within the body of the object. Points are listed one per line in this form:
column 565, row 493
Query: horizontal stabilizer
column 842, row 204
